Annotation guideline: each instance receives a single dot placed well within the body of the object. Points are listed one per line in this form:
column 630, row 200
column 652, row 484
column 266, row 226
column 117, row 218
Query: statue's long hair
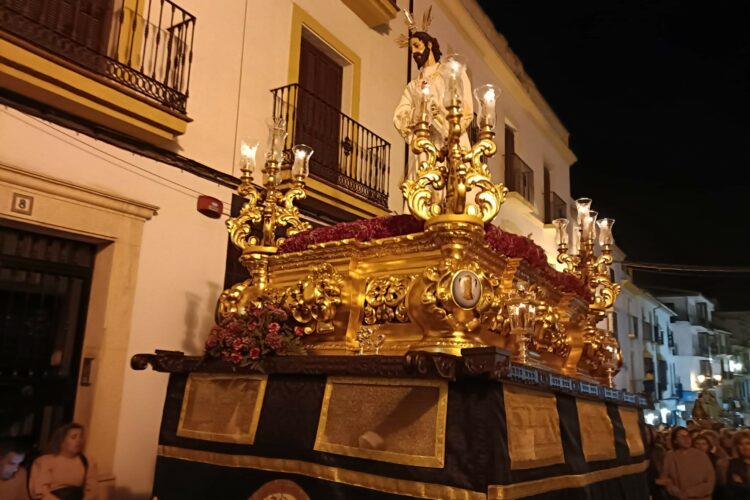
column 426, row 38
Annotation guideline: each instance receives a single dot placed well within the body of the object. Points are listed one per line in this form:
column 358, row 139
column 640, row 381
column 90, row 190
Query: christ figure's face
column 420, row 52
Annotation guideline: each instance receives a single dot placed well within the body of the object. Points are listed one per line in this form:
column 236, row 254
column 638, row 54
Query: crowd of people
column 699, row 463
column 64, row 473
column 690, row 462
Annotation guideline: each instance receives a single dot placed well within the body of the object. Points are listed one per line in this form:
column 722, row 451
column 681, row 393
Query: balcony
column 141, row 49
column 519, row 177
column 554, row 207
column 347, row 155
column 374, row 12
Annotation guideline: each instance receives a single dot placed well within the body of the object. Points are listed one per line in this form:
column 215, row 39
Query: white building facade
column 113, row 165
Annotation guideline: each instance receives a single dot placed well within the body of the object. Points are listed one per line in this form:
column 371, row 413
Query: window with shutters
column 518, row 175
column 144, row 46
column 662, row 372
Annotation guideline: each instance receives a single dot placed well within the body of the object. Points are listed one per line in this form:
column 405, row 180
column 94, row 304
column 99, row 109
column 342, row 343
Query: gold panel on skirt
column 558, row 483
column 533, row 428
column 222, row 407
column 630, row 421
column 392, row 420
column 597, row 433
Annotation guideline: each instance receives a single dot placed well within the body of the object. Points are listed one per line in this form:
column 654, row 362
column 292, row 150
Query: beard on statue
column 420, row 58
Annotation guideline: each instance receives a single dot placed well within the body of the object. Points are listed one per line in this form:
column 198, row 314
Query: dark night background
column 656, row 97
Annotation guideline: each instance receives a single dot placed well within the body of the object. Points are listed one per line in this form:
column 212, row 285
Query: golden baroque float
column 441, row 286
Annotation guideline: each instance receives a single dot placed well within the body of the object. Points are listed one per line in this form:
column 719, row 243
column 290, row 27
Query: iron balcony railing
column 146, row 46
column 519, row 177
column 347, row 154
column 554, row 208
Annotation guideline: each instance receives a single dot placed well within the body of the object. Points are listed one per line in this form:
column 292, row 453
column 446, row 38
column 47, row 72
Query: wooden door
column 319, row 103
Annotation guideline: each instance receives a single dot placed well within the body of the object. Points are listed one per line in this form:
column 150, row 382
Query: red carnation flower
column 274, row 341
column 254, row 353
column 299, row 331
column 273, row 328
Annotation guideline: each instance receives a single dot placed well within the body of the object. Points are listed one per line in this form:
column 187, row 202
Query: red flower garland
column 511, row 245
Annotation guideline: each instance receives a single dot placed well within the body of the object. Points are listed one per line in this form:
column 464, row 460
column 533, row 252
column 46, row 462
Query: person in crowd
column 664, row 437
column 65, row 473
column 738, row 472
column 656, row 454
column 688, row 472
column 715, row 440
column 12, row 473
column 719, row 461
column 725, row 440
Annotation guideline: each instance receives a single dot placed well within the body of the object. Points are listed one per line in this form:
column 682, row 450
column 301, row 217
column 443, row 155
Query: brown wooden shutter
column 318, row 118
column 510, row 151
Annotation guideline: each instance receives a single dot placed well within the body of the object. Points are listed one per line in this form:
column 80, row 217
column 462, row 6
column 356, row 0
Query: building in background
column 736, row 379
column 699, row 350
column 116, row 115
column 673, row 347
column 643, row 326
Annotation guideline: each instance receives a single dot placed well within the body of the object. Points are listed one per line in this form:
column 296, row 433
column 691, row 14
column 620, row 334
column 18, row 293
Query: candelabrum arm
column 239, row 227
column 603, row 263
column 571, row 263
column 430, row 177
column 422, row 145
column 484, row 148
column 605, row 292
column 288, row 214
column 489, row 196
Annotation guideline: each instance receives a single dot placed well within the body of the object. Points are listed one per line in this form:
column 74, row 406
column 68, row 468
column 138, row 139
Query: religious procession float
column 426, row 355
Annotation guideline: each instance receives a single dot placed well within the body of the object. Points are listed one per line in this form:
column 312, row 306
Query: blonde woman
column 688, row 472
column 65, row 473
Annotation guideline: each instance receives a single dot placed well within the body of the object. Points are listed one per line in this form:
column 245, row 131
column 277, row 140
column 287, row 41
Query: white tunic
column 403, row 121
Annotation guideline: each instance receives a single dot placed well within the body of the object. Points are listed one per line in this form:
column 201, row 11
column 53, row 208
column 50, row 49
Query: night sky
column 656, row 97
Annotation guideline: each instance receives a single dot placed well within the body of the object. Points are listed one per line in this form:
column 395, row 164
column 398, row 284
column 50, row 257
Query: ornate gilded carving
column 549, row 332
column 385, row 300
column 443, row 293
column 530, row 322
column 288, row 214
column 601, row 356
column 314, row 301
column 232, row 300
column 599, row 351
column 425, row 363
column 455, row 170
column 240, row 227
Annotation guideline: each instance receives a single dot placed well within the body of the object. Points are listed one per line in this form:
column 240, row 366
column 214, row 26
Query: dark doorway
column 318, row 117
column 44, row 292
